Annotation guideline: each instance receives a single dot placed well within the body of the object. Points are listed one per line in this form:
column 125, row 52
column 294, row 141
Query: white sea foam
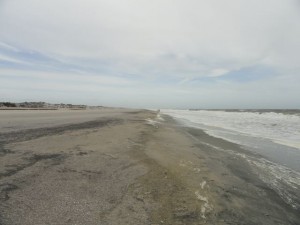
column 277, row 127
column 151, row 122
column 158, row 117
column 280, row 178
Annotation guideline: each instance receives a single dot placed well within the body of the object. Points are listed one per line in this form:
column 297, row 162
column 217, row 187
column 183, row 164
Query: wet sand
column 126, row 167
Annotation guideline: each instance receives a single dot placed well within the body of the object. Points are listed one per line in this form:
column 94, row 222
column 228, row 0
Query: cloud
column 170, row 43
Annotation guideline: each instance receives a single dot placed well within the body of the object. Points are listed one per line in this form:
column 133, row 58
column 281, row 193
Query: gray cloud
column 158, row 41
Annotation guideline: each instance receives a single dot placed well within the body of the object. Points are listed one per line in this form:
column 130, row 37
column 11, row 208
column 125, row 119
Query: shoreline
column 130, row 167
column 236, row 189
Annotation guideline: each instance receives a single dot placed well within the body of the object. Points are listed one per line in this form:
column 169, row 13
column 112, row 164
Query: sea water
column 273, row 135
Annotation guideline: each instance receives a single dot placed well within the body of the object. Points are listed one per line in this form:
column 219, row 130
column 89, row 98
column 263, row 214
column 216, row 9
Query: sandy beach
column 121, row 166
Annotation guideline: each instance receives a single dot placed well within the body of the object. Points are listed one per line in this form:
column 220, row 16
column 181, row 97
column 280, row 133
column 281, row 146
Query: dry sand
column 115, row 167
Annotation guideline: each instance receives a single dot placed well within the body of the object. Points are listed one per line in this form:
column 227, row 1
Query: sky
column 151, row 54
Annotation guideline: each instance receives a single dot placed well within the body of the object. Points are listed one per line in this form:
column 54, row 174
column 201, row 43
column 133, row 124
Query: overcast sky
column 151, row 54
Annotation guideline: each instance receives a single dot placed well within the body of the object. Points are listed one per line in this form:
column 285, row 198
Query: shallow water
column 274, row 137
